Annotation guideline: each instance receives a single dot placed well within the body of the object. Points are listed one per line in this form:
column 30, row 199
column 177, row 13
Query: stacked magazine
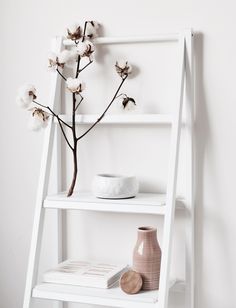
column 86, row 274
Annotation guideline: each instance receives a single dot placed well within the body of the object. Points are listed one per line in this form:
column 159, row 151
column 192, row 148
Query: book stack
column 86, row 274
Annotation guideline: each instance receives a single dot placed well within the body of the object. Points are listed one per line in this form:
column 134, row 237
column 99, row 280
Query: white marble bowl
column 112, row 186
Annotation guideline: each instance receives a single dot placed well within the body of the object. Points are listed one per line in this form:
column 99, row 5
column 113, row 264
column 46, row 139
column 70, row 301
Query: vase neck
column 147, row 233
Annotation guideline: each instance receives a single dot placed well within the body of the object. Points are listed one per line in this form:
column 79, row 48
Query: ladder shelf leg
column 171, row 186
column 189, row 103
column 39, row 216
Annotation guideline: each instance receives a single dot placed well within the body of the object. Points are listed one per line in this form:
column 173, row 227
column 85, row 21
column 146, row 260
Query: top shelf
column 166, row 119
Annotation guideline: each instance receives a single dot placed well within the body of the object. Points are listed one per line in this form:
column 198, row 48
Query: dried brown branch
column 62, row 76
column 71, row 189
column 81, row 99
column 64, row 134
column 85, row 26
column 86, row 66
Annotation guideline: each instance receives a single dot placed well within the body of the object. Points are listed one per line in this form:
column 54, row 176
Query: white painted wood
column 189, row 225
column 41, row 194
column 56, row 220
column 113, row 297
column 121, row 119
column 144, row 203
column 130, row 40
column 171, row 185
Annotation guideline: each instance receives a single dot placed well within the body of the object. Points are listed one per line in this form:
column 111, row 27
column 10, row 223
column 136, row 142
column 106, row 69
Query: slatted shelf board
column 146, row 203
column 114, row 296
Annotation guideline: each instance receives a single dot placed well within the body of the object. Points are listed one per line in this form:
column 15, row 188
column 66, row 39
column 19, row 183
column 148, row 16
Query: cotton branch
column 57, row 61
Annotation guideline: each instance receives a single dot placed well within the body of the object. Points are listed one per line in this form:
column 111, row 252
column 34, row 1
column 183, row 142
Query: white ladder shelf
column 165, row 205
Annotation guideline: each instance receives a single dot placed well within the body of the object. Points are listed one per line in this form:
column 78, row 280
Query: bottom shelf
column 108, row 297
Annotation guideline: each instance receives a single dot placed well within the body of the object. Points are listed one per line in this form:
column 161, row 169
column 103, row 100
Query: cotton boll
column 125, row 64
column 129, row 104
column 20, row 102
column 67, row 57
column 23, row 103
column 73, row 55
column 91, row 29
column 73, row 58
column 27, row 89
column 74, row 32
column 31, row 107
column 91, row 32
column 91, row 57
column 95, row 24
column 85, row 49
column 73, row 27
column 75, row 85
column 64, row 56
column 81, row 48
column 38, row 119
column 26, row 94
column 35, row 123
column 121, row 63
column 129, row 70
column 123, row 68
column 52, row 59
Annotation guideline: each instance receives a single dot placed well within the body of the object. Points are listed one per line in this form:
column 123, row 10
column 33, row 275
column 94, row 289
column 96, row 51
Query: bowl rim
column 114, row 176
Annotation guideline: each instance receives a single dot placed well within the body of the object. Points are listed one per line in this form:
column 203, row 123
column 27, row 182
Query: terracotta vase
column 147, row 257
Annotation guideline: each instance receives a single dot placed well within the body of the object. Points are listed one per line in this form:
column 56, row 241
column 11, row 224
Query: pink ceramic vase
column 147, row 257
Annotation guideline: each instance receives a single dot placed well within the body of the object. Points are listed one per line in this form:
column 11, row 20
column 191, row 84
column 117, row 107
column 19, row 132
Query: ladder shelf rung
column 171, row 37
column 112, row 297
column 145, row 203
column 120, row 119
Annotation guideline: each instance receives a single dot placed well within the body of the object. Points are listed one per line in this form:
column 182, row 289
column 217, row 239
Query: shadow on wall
column 201, row 129
column 203, row 137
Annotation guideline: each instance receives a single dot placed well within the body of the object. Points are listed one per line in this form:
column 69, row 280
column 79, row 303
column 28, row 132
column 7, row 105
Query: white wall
column 26, row 29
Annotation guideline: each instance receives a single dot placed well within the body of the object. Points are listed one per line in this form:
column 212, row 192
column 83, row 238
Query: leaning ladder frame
column 185, row 79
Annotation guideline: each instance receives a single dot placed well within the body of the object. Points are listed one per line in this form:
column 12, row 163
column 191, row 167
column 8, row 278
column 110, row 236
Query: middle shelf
column 143, row 203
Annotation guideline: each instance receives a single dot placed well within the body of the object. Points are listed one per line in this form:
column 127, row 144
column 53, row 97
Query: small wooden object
column 131, row 282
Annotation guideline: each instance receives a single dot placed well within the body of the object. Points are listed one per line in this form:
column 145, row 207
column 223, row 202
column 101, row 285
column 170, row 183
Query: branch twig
column 85, row 25
column 90, row 61
column 103, row 114
column 62, row 76
column 64, row 134
column 81, row 98
column 77, row 69
column 53, row 113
